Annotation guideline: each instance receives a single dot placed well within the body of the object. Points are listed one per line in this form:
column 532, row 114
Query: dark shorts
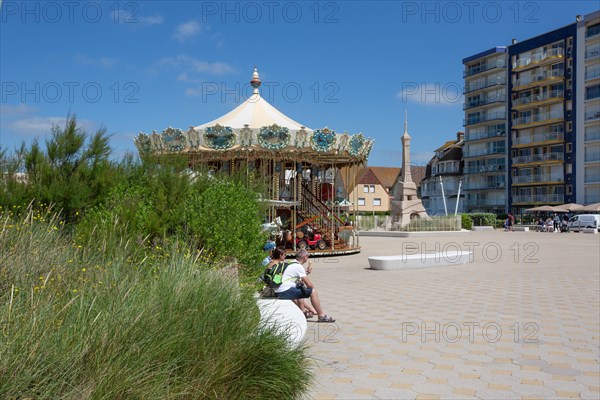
column 295, row 293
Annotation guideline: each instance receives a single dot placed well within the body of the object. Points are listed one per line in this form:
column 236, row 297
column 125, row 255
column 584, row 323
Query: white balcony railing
column 592, row 115
column 540, row 97
column 476, row 119
column 538, row 57
column 471, row 87
column 592, row 52
column 484, row 185
column 483, row 67
column 552, row 73
column 484, row 101
column 539, row 137
column 537, row 178
column 539, row 198
column 541, row 117
column 483, row 152
column 592, row 73
column 592, row 135
column 538, row 158
column 481, row 169
column 485, row 134
column 592, row 157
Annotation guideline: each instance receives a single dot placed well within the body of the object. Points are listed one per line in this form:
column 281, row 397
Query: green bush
column 483, row 219
column 466, row 221
column 81, row 323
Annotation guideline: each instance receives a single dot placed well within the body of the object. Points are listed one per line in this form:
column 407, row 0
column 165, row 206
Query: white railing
column 592, row 73
column 530, row 119
column 592, row 157
column 471, row 87
column 483, row 152
column 537, row 178
column 592, row 115
column 592, row 52
column 484, row 185
column 484, row 118
column 482, row 68
column 538, row 158
column 539, row 198
column 539, row 137
column 479, row 169
column 540, row 97
column 552, row 73
column 538, row 57
column 592, row 135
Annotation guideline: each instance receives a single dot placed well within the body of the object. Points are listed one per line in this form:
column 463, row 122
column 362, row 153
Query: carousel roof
column 254, row 113
column 256, row 128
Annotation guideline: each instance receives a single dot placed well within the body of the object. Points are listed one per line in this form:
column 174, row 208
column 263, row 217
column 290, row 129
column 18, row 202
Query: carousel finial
column 255, row 82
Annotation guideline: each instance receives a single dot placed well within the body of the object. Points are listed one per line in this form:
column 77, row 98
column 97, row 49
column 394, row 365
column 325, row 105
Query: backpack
column 273, row 275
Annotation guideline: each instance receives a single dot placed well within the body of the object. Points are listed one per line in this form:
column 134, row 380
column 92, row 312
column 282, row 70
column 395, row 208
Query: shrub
column 466, row 221
column 80, row 323
column 483, row 219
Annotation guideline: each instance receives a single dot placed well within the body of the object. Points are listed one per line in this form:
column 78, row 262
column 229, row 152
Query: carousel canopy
column 257, row 129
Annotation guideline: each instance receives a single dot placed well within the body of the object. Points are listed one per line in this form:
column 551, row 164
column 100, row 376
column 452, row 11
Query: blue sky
column 351, row 66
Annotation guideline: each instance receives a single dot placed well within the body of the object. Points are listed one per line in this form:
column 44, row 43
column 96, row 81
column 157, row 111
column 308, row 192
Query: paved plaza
column 519, row 322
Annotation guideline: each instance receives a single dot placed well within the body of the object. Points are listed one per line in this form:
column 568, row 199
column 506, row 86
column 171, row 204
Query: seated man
column 297, row 286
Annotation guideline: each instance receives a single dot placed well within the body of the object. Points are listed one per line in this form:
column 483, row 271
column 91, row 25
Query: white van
column 584, row 221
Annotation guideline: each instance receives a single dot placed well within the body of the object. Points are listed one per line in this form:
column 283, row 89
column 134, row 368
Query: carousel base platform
column 327, row 252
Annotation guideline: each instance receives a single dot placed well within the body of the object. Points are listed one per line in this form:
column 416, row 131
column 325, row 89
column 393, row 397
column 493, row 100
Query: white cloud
column 431, row 94
column 187, row 30
column 8, row 110
column 103, row 62
column 191, row 64
column 154, row 20
column 41, row 126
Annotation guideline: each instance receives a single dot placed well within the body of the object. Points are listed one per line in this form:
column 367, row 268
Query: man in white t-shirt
column 296, row 285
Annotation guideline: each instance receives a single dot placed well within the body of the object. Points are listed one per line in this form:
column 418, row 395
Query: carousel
column 305, row 173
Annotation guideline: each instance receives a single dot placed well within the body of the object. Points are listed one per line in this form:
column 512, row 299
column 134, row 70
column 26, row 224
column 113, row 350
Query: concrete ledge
column 285, row 316
column 521, row 228
column 425, row 260
column 589, row 230
column 413, row 234
column 482, row 228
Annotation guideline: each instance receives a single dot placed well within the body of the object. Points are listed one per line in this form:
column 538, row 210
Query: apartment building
column 484, row 151
column 587, row 138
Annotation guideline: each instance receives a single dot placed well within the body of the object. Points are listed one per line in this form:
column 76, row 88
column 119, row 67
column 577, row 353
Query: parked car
column 580, row 221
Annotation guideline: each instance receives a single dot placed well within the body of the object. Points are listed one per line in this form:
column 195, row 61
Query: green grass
column 127, row 321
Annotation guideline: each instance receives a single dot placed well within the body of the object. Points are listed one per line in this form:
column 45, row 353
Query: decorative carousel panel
column 343, row 142
column 302, row 138
column 366, row 150
column 193, row 137
column 322, row 140
column 143, row 143
column 246, row 137
column 219, row 137
column 157, row 143
column 274, row 137
column 356, row 144
column 173, row 139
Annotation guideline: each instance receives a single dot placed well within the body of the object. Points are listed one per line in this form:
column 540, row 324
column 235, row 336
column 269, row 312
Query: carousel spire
column 255, row 82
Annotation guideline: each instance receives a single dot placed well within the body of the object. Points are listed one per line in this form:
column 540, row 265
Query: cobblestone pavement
column 519, row 322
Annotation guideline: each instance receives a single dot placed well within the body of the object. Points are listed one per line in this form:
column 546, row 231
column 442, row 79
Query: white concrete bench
column 482, row 228
column 589, row 230
column 285, row 316
column 425, row 260
column 521, row 228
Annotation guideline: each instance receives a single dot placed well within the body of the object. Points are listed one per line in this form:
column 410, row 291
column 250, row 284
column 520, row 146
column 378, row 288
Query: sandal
column 325, row 318
column 308, row 314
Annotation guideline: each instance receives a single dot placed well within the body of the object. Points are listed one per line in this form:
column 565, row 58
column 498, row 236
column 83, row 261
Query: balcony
column 483, row 152
column 538, row 79
column 592, row 53
column 538, row 158
column 482, row 169
column 470, row 71
column 485, row 202
column 537, row 179
column 537, row 59
column 472, row 87
column 592, row 115
column 483, row 102
column 547, row 97
column 592, row 32
column 591, row 179
column 592, row 157
column 592, row 73
column 539, row 138
column 492, row 133
column 539, row 198
column 501, row 115
column 592, row 135
column 484, row 185
column 538, row 119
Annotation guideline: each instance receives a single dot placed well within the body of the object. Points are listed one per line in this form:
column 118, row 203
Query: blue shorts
column 295, row 293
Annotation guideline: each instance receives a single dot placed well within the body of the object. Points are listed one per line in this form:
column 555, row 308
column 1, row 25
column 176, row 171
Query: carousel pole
column 294, row 216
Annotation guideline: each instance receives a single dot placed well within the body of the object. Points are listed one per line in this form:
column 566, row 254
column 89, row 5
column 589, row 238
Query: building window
column 377, row 202
column 361, row 201
column 372, row 189
column 569, row 147
column 593, row 30
column 592, row 92
column 366, row 189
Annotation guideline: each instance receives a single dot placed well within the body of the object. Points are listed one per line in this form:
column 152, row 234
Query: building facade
column 444, row 169
column 587, row 138
column 373, row 190
column 484, row 151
